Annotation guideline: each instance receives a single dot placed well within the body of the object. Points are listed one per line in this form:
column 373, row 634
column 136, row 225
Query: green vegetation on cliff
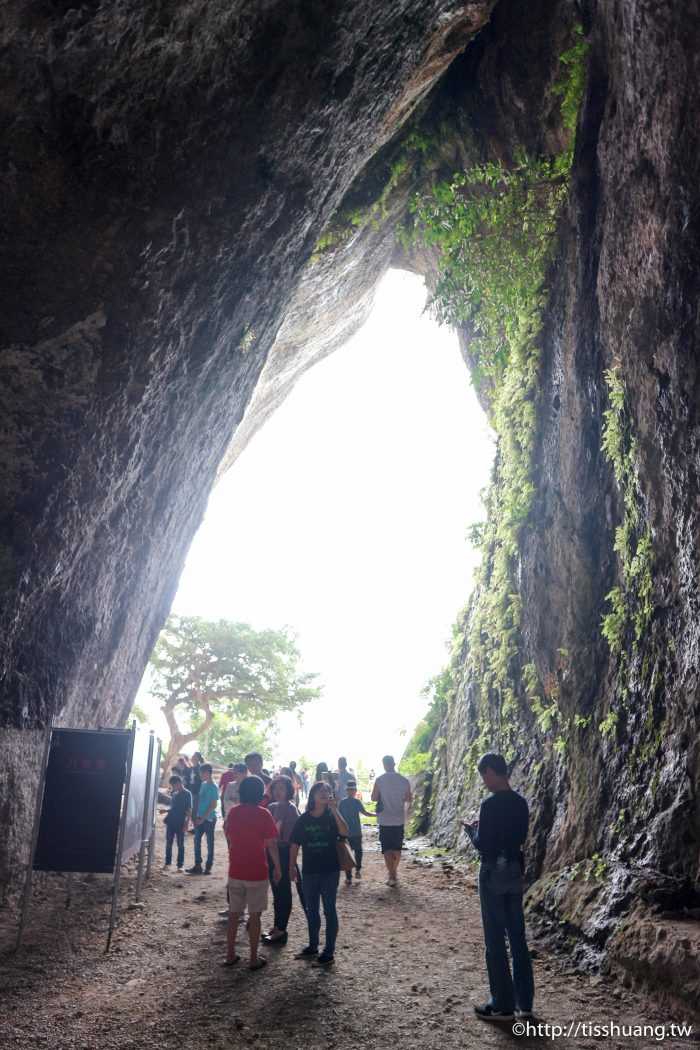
column 494, row 227
column 631, row 605
column 496, row 232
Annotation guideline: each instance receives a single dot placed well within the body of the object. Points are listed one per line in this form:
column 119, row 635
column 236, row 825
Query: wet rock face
column 167, row 169
column 614, row 839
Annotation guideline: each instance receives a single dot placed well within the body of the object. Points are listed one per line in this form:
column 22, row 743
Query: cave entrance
column 346, row 519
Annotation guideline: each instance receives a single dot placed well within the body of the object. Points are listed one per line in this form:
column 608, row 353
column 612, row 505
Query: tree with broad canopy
column 201, row 667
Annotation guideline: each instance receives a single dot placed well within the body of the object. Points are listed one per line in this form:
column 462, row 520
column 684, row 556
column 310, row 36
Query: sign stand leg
column 120, row 842
column 151, row 847
column 35, row 834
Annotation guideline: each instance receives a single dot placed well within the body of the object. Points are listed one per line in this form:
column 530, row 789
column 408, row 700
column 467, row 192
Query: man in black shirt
column 499, row 834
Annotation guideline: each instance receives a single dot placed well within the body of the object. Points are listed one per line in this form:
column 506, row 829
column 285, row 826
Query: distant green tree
column 226, row 742
column 201, row 667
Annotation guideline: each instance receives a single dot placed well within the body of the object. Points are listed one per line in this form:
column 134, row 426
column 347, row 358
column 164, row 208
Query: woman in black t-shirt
column 317, row 832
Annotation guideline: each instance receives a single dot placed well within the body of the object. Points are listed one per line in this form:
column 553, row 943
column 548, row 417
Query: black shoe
column 306, row 953
column 487, row 1013
column 324, row 960
column 196, row 870
column 276, row 942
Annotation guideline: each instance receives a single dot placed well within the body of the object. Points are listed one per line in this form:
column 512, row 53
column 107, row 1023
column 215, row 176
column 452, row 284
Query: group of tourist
column 265, row 832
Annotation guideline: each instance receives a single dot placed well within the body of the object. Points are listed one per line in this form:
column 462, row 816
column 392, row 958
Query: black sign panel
column 81, row 807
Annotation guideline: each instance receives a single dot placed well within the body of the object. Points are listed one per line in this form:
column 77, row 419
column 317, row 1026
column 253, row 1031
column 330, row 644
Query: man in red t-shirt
column 251, row 831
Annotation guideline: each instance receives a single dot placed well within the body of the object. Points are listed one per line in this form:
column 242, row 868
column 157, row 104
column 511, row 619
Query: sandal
column 236, row 959
column 262, row 962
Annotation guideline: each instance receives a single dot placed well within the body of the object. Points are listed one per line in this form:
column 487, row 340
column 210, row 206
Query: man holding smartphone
column 498, row 835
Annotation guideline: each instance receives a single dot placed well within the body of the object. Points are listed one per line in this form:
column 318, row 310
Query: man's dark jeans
column 501, row 896
column 205, row 828
column 317, row 888
column 355, row 844
column 170, row 834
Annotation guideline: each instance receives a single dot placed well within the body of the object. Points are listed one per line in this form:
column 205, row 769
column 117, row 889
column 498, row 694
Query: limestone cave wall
column 167, row 169
column 614, row 853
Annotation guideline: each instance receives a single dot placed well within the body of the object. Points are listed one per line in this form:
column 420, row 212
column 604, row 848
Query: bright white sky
column 346, row 519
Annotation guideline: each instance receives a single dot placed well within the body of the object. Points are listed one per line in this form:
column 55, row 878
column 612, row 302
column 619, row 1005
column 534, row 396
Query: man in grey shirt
column 392, row 793
column 341, row 777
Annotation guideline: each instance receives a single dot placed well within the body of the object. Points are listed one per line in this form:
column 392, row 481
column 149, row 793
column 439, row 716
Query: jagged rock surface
column 167, row 169
column 615, row 836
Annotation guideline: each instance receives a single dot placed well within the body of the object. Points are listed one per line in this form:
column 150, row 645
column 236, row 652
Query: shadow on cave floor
column 409, row 968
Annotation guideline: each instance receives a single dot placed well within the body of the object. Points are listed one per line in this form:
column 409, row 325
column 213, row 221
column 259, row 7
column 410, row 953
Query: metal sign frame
column 50, row 729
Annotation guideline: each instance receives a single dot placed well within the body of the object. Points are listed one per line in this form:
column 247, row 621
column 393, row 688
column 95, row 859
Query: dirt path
column 409, row 968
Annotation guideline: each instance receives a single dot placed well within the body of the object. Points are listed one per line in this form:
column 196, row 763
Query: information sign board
column 82, row 797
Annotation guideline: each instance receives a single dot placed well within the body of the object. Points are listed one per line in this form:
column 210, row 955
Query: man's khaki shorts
column 242, row 892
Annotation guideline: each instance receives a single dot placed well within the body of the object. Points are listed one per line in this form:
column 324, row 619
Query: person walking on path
column 205, row 821
column 297, row 781
column 254, row 765
column 392, row 793
column 253, row 834
column 341, row 777
column 285, row 815
column 226, row 777
column 176, row 821
column 231, row 791
column 317, row 832
column 195, row 785
column 498, row 835
column 350, row 808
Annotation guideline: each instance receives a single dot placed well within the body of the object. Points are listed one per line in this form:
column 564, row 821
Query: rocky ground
column 409, row 966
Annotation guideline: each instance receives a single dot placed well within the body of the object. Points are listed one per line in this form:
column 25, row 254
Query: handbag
column 346, row 858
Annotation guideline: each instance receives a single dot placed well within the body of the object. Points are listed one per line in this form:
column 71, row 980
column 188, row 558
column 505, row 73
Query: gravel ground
column 409, row 967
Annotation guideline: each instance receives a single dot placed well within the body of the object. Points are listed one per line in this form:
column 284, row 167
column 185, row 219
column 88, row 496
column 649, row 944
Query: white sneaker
column 358, row 875
column 391, row 882
column 166, row 867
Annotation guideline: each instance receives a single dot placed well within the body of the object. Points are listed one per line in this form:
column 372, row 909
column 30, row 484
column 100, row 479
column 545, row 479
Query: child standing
column 176, row 820
column 350, row 808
